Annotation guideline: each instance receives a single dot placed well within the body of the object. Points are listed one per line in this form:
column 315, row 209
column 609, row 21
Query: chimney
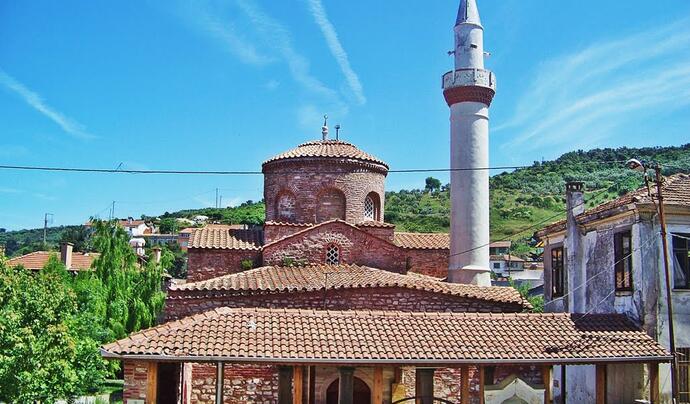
column 574, row 198
column 157, row 254
column 575, row 275
column 66, row 255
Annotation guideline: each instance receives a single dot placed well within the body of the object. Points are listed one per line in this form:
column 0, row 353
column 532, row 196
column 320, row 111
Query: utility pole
column 216, row 198
column 45, row 228
column 667, row 272
column 112, row 211
column 220, row 204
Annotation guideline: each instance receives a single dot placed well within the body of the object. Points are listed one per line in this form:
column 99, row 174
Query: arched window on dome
column 330, row 205
column 332, row 255
column 286, row 207
column 372, row 207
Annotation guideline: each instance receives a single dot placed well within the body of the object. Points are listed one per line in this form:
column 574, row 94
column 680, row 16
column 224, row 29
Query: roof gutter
column 425, row 362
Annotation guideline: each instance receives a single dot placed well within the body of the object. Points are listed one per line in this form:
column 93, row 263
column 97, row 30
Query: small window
column 623, row 260
column 681, row 261
column 684, row 373
column 333, row 255
column 497, row 265
column 369, row 208
column 557, row 275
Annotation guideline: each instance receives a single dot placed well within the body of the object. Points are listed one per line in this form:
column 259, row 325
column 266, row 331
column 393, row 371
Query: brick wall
column 206, row 263
column 356, row 247
column 136, row 375
column 185, row 303
column 428, row 262
column 308, row 178
column 276, row 231
column 385, row 233
column 248, row 384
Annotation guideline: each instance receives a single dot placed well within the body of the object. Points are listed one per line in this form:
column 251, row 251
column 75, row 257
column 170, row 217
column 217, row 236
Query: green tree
column 432, row 185
column 169, row 225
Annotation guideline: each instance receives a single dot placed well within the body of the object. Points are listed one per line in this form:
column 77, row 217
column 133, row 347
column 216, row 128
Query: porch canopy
column 297, row 339
column 308, row 337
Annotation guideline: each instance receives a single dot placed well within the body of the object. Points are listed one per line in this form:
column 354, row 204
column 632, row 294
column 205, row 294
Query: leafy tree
column 80, row 236
column 169, row 225
column 432, row 185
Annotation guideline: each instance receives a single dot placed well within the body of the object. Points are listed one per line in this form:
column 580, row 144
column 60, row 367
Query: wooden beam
column 312, row 385
column 152, row 383
column 601, row 384
column 465, row 383
column 378, row 385
column 482, row 382
column 297, row 383
column 546, row 378
column 285, row 385
column 653, row 382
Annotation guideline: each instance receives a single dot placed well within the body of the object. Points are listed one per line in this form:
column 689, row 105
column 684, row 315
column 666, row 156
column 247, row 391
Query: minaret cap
column 468, row 13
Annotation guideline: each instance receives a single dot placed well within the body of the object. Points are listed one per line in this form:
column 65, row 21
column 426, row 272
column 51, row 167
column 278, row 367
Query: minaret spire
column 469, row 90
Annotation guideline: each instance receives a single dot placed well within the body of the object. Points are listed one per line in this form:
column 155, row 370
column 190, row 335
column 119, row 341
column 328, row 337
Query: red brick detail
column 136, row 376
column 307, row 178
column 385, row 233
column 242, row 384
column 356, row 247
column 275, row 231
column 428, row 262
column 206, row 263
column 455, row 95
column 185, row 303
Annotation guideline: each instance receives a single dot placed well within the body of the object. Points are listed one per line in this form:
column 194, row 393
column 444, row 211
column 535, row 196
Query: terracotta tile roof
column 505, row 257
column 289, row 224
column 308, row 336
column 501, row 244
column 37, row 260
column 327, row 149
column 676, row 192
column 426, row 241
column 225, row 237
column 313, row 278
column 373, row 223
column 311, row 228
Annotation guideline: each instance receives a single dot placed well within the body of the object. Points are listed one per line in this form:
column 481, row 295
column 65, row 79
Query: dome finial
column 324, row 128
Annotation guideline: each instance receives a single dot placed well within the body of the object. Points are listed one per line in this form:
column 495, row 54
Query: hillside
column 521, row 201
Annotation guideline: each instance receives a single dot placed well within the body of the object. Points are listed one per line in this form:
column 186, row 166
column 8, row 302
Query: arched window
column 333, row 255
column 372, row 207
column 330, row 205
column 286, row 207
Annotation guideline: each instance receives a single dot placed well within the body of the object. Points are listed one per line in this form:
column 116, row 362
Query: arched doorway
column 361, row 392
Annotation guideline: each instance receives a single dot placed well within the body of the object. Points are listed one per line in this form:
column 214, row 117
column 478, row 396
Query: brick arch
column 331, row 203
column 286, row 206
column 375, row 214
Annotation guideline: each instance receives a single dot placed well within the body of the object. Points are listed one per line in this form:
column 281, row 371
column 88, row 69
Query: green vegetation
column 52, row 323
column 250, row 213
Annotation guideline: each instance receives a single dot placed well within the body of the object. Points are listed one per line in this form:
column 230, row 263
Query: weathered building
column 609, row 259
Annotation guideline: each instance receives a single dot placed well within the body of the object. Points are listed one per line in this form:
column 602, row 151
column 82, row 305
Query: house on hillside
column 73, row 261
column 506, row 264
column 500, row 247
column 609, row 259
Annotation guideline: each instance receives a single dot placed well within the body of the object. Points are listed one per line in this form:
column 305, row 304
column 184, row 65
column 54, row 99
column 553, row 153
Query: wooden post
column 601, row 384
column 152, row 383
column 220, row 380
column 424, row 385
column 297, row 382
column 285, row 385
column 465, row 383
column 482, row 382
column 546, row 378
column 346, row 385
column 378, row 385
column 653, row 382
column 312, row 385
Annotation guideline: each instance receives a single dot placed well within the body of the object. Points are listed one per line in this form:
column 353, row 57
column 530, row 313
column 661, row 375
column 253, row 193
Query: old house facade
column 609, row 259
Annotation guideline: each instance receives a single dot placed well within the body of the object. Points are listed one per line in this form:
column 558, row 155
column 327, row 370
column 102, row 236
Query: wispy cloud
column 36, row 102
column 6, row 190
column 588, row 95
column 337, row 50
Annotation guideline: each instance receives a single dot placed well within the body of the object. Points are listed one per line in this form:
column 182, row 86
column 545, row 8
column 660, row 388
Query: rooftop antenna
column 324, row 128
column 337, row 131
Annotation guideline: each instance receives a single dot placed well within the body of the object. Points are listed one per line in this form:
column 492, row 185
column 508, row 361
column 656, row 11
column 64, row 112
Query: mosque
column 329, row 304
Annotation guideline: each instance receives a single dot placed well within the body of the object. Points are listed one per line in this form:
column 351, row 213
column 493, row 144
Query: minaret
column 468, row 90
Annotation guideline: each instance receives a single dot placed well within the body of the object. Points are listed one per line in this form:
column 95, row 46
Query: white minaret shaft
column 469, row 90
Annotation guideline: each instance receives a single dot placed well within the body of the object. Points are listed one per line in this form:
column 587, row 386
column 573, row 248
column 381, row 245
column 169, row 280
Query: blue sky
column 223, row 85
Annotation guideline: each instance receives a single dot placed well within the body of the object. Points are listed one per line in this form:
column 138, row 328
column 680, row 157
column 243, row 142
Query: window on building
column 371, row 207
column 497, row 265
column 681, row 261
column 683, row 355
column 557, row 272
column 333, row 255
column 623, row 260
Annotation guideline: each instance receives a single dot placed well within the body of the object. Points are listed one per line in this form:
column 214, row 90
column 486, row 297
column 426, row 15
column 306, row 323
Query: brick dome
column 323, row 180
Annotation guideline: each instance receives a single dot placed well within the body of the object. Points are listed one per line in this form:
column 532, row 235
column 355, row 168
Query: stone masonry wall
column 181, row 304
column 356, row 247
column 276, row 231
column 308, row 178
column 428, row 262
column 385, row 233
column 136, row 376
column 248, row 384
column 205, row 263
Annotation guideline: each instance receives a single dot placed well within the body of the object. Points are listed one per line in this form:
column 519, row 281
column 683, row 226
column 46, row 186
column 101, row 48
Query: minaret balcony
column 476, row 85
column 468, row 78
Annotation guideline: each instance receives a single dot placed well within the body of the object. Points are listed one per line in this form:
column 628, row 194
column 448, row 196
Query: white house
column 609, row 259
